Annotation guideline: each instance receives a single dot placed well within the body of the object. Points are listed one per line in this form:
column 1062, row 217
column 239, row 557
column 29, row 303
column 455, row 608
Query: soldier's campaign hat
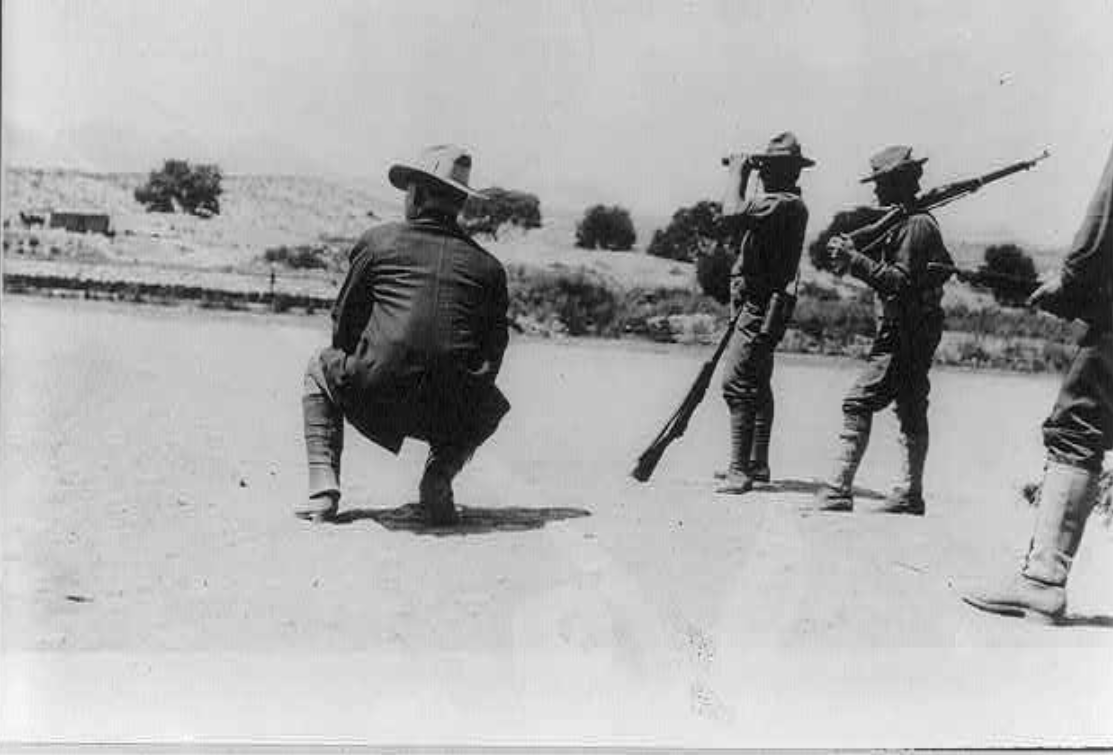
column 890, row 159
column 785, row 146
column 444, row 164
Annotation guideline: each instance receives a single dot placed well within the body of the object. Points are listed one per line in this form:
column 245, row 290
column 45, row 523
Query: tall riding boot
column 838, row 492
column 324, row 444
column 737, row 477
column 443, row 464
column 908, row 494
column 763, row 429
column 1039, row 592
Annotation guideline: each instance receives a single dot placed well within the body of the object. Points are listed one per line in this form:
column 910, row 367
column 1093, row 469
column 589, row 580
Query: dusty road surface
column 156, row 586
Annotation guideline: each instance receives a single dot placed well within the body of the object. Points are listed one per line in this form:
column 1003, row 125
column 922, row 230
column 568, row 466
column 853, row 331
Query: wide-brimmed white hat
column 445, row 164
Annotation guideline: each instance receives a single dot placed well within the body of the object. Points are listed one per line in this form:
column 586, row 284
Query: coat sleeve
column 1090, row 261
column 752, row 212
column 353, row 304
column 788, row 261
column 919, row 243
column 497, row 335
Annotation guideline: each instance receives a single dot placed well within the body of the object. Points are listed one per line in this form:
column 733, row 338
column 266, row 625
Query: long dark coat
column 419, row 331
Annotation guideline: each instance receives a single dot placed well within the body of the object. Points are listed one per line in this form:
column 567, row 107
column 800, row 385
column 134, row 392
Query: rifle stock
column 677, row 424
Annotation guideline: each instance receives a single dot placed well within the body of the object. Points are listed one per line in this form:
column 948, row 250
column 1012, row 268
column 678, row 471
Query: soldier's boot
column 737, row 479
column 435, row 490
column 758, row 467
column 1039, row 591
column 908, row 494
column 837, row 494
column 324, row 444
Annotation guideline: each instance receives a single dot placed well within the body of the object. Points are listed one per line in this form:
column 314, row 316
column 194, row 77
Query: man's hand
column 839, row 249
column 483, row 370
column 1048, row 293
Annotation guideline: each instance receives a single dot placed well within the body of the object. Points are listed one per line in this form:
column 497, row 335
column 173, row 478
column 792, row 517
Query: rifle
column 869, row 237
column 1016, row 290
column 1012, row 286
column 678, row 422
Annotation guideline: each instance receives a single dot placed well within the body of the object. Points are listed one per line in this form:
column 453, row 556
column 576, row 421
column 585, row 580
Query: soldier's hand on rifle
column 839, row 250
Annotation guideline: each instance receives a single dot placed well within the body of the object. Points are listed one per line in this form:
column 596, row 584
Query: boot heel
column 1043, row 619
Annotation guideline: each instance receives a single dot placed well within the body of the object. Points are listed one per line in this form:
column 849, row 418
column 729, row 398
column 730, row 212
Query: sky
column 628, row 101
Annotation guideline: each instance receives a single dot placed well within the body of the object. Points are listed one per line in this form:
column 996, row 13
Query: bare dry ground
column 155, row 585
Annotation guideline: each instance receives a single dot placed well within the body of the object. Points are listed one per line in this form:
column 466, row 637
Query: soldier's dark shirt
column 774, row 224
column 901, row 272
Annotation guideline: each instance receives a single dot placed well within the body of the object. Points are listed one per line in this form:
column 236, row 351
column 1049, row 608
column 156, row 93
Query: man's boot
column 758, row 467
column 908, row 494
column 1039, row 592
column 737, row 479
column 436, row 498
column 837, row 494
column 324, row 443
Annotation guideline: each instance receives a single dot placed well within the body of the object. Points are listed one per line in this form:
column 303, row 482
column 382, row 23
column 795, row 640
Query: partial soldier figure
column 1080, row 428
column 762, row 286
column 910, row 324
column 419, row 331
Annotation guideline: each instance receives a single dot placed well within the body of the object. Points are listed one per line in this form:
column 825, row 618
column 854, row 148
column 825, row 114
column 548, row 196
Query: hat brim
column 906, row 164
column 803, row 162
column 401, row 176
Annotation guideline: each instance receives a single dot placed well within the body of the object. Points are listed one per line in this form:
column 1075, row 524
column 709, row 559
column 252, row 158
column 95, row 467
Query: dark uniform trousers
column 897, row 368
column 748, row 362
column 1080, row 428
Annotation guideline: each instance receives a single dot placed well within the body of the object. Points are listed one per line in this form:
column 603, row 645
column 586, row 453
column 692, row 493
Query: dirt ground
column 156, row 586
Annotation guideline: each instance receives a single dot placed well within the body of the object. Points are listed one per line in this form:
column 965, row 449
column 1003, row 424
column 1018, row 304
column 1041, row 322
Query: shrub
column 697, row 234
column 606, row 228
column 844, row 221
column 713, row 272
column 1011, row 260
column 580, row 303
column 303, row 257
column 195, row 189
column 501, row 207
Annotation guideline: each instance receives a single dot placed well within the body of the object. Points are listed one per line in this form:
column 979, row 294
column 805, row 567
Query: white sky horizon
column 628, row 101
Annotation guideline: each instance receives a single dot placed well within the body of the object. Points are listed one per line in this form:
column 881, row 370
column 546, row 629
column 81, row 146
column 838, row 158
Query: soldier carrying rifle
column 910, row 324
column 1080, row 428
column 773, row 224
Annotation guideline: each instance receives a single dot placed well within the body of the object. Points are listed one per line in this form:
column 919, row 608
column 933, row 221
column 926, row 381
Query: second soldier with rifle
column 910, row 324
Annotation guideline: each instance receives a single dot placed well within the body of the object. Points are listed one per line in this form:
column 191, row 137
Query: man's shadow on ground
column 1085, row 620
column 811, row 487
column 474, row 520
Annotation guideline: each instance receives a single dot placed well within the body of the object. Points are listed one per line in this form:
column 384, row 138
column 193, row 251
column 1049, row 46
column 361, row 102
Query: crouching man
column 419, row 331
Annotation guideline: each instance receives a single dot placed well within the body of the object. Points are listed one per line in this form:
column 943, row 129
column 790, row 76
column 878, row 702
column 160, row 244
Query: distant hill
column 259, row 212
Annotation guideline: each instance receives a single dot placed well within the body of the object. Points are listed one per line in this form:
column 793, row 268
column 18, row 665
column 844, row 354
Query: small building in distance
column 80, row 221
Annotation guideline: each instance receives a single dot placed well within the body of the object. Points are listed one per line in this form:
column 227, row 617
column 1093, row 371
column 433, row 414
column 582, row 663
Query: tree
column 606, row 228
column 698, row 234
column 692, row 231
column 498, row 208
column 844, row 221
column 1011, row 260
column 194, row 189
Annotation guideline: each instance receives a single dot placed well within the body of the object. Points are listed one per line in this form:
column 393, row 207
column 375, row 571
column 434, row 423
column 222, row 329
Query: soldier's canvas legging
column 896, row 372
column 324, row 430
column 748, row 391
column 324, row 436
column 1080, row 428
